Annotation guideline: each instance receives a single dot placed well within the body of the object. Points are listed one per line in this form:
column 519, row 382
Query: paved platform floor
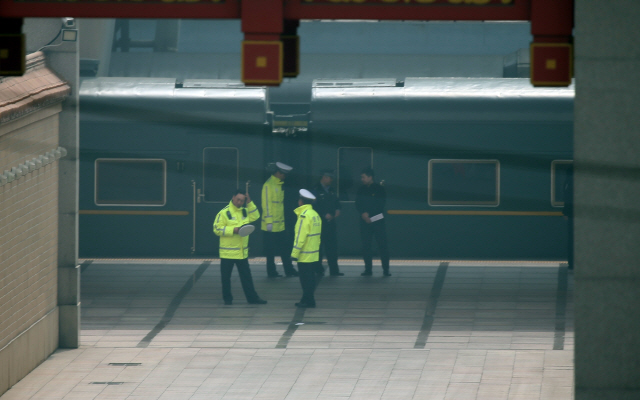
column 434, row 330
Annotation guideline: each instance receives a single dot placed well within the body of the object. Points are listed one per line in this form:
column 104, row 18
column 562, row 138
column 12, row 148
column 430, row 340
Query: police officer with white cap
column 306, row 247
column 275, row 239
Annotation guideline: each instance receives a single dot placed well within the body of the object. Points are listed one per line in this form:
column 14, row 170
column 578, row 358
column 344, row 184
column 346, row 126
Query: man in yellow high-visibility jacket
column 234, row 249
column 275, row 238
column 306, row 247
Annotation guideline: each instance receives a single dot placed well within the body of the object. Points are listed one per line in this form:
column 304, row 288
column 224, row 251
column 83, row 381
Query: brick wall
column 28, row 228
column 28, row 245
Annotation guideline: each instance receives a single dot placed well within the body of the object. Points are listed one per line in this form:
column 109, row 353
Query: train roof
column 166, row 99
column 439, row 99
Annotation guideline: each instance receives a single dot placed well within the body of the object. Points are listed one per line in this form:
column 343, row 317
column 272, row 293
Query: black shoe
column 228, row 302
column 338, row 274
column 257, row 301
column 366, row 273
column 305, row 305
column 275, row 275
column 292, row 273
column 386, row 273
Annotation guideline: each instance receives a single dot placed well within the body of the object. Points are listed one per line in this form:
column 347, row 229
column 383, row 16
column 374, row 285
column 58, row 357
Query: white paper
column 376, row 217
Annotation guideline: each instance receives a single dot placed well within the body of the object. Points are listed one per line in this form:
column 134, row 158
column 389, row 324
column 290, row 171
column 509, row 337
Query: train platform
column 440, row 329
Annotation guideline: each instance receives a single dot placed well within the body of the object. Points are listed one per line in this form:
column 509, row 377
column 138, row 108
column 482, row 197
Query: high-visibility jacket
column 306, row 242
column 233, row 245
column 273, row 204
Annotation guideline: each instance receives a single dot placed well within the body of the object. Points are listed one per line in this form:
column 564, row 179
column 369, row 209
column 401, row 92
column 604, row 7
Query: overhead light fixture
column 69, row 35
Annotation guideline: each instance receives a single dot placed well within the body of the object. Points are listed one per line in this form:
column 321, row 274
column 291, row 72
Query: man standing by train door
column 275, row 238
column 327, row 206
column 370, row 201
column 234, row 247
column 306, row 247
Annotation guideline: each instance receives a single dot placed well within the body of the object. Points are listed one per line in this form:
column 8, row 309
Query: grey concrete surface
column 607, row 186
column 63, row 59
column 492, row 331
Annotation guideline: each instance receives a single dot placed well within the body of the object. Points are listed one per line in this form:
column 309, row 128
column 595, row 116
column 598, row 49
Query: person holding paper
column 370, row 202
column 231, row 225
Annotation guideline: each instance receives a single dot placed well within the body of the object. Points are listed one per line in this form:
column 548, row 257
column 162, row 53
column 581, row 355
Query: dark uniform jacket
column 371, row 199
column 326, row 202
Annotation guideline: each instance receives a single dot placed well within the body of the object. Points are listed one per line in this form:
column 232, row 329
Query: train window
column 352, row 160
column 559, row 174
column 130, row 182
column 220, row 173
column 464, row 182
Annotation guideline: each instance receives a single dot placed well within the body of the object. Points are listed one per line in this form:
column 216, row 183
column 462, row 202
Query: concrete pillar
column 607, row 199
column 64, row 61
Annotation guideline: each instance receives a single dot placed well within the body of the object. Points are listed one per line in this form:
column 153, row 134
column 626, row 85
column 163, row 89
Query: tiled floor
column 434, row 330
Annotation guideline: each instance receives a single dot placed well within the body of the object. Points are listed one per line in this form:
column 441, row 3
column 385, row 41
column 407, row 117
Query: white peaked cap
column 283, row 167
column 307, row 194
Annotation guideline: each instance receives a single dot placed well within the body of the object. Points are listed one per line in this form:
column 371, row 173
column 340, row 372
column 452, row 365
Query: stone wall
column 29, row 136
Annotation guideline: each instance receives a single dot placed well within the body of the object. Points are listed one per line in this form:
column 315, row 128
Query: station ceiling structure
column 270, row 49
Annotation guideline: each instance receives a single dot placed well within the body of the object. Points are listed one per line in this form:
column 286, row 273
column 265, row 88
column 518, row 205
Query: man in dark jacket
column 370, row 202
column 328, row 207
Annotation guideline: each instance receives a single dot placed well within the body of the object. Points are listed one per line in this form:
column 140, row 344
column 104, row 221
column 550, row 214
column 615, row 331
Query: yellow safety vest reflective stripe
column 306, row 242
column 233, row 245
column 273, row 204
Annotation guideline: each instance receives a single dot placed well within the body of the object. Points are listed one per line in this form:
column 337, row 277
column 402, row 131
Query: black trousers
column 275, row 243
column 378, row 230
column 329, row 245
column 226, row 267
column 307, row 273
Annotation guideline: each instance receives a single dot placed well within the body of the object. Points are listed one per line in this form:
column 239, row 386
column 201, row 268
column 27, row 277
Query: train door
column 213, row 189
column 224, row 161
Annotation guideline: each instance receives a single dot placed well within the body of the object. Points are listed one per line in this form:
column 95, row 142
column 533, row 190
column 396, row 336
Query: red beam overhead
column 262, row 51
column 467, row 10
column 262, row 18
column 552, row 18
column 416, row 10
column 551, row 57
column 270, row 49
column 208, row 9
